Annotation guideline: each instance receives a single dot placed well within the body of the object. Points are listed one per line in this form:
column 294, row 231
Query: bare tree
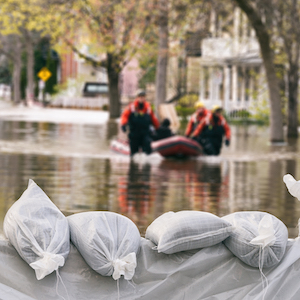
column 11, row 48
column 163, row 48
column 29, row 46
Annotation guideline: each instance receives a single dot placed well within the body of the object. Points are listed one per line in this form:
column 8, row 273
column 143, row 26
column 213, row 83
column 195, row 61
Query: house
column 231, row 70
column 220, row 61
column 76, row 72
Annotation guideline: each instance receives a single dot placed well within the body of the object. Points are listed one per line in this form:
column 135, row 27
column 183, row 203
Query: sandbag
column 186, row 230
column 259, row 239
column 38, row 231
column 107, row 241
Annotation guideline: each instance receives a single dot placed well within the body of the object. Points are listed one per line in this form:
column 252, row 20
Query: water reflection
column 73, row 165
column 192, row 184
column 136, row 194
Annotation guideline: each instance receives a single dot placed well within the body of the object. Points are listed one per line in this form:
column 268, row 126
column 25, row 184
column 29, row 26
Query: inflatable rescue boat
column 174, row 146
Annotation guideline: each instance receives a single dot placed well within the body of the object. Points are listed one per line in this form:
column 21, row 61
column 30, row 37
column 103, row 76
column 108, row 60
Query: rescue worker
column 200, row 113
column 139, row 117
column 164, row 131
column 209, row 133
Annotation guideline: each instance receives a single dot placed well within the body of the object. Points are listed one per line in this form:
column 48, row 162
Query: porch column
column 243, row 88
column 226, row 88
column 201, row 84
column 234, row 86
column 211, row 86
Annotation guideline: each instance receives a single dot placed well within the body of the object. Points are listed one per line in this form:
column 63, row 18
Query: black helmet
column 140, row 93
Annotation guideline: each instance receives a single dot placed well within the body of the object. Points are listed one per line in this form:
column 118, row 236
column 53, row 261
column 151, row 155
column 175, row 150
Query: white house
column 230, row 66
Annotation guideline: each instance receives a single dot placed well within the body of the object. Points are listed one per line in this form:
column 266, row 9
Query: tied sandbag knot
column 47, row 264
column 292, row 185
column 124, row 266
column 266, row 236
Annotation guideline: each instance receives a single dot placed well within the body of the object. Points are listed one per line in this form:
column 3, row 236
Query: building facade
column 231, row 71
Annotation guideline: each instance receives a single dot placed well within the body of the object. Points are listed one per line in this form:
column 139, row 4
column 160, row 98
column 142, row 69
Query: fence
column 80, row 102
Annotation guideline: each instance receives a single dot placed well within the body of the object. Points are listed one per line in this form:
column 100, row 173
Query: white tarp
column 209, row 273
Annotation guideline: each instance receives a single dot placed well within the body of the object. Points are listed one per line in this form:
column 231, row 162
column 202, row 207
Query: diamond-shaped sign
column 44, row 74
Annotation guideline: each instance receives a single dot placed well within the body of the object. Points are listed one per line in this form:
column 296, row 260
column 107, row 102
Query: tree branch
column 89, row 59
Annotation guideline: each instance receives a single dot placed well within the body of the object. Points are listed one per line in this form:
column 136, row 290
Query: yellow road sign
column 44, row 74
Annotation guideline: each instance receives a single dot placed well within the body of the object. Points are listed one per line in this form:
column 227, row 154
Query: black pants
column 138, row 142
column 211, row 145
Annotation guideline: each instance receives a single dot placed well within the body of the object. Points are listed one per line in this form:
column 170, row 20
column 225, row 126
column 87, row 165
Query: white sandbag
column 38, row 231
column 292, row 185
column 186, row 230
column 259, row 239
column 107, row 241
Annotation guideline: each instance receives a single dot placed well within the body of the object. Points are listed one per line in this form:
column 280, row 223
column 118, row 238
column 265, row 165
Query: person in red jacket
column 209, row 133
column 139, row 117
column 200, row 113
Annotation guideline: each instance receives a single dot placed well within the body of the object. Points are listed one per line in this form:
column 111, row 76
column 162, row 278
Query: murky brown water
column 73, row 164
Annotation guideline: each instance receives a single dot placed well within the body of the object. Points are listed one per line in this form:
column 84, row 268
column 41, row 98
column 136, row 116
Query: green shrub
column 188, row 100
column 261, row 111
column 184, row 112
column 185, row 106
column 105, row 107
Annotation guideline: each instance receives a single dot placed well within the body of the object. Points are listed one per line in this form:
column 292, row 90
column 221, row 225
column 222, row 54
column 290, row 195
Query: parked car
column 94, row 96
column 95, row 89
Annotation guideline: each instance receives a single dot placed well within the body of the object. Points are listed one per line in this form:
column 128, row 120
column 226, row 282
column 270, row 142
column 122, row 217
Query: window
column 220, row 81
column 255, row 79
column 240, row 83
column 247, row 83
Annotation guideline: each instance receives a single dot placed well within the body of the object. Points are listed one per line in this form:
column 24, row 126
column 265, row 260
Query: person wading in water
column 200, row 113
column 210, row 131
column 139, row 117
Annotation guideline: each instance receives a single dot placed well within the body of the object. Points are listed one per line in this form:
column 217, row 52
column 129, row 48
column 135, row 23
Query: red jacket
column 134, row 107
column 195, row 119
column 208, row 120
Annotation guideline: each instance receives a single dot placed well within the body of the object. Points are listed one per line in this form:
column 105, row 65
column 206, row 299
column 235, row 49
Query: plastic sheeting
column 209, row 273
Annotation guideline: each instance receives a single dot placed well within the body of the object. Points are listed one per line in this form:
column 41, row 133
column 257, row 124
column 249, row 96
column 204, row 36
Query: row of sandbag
column 109, row 242
column 41, row 235
column 257, row 238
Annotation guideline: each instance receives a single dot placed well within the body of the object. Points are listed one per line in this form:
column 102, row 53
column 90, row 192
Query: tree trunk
column 293, row 78
column 276, row 120
column 113, row 72
column 162, row 60
column 30, row 70
column 17, row 71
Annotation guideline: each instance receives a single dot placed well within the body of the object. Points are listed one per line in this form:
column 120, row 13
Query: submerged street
column 66, row 152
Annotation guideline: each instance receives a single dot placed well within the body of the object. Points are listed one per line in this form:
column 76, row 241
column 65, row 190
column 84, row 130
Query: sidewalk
column 37, row 113
column 5, row 104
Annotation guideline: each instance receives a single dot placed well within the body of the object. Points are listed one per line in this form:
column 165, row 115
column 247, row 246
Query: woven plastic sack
column 186, row 230
column 259, row 239
column 107, row 241
column 38, row 231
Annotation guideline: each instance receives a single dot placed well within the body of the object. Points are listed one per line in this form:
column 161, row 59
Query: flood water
column 73, row 164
